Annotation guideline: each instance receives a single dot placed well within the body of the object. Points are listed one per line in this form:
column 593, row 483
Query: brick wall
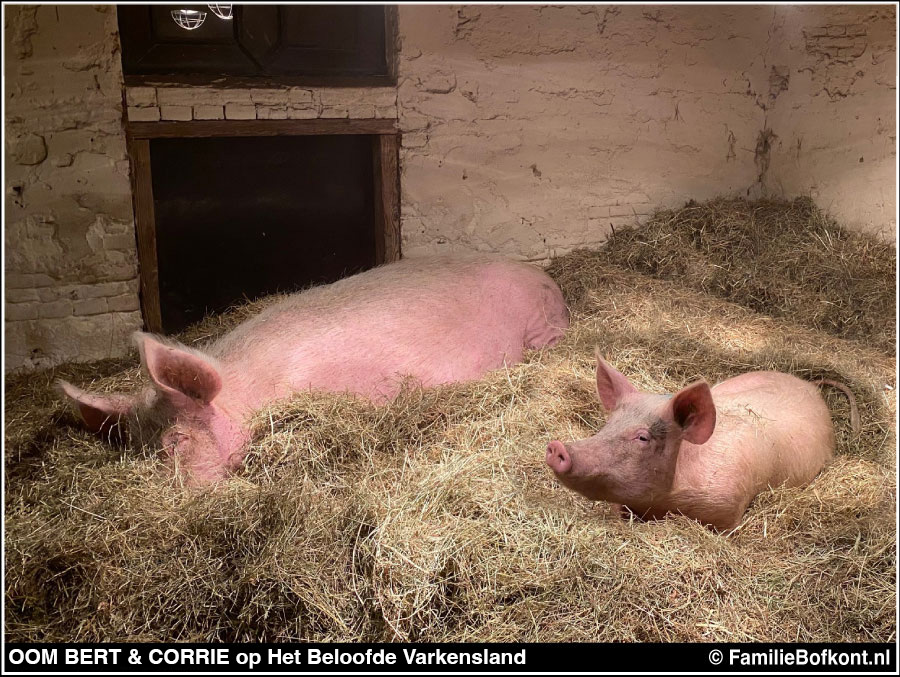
column 71, row 265
column 150, row 104
column 835, row 123
column 533, row 130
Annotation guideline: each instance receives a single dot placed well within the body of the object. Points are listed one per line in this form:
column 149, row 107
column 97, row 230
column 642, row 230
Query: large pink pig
column 436, row 320
column 703, row 452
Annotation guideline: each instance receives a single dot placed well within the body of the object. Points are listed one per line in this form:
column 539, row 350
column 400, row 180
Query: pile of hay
column 784, row 259
column 434, row 518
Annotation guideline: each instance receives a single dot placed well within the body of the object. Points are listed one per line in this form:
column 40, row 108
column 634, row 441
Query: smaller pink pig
column 703, row 452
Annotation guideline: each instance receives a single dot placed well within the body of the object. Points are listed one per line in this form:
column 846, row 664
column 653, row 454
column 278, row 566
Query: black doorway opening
column 237, row 218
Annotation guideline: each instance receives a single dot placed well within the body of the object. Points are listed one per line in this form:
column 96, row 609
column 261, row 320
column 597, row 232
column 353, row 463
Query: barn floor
column 434, row 518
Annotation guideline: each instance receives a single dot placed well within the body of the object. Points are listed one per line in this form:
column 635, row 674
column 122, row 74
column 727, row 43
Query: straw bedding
column 434, row 518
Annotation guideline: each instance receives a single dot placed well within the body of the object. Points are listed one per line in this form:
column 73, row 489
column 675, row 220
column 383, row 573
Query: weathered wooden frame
column 386, row 165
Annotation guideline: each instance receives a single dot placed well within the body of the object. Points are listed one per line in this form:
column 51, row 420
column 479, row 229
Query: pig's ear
column 102, row 414
column 693, row 409
column 177, row 369
column 611, row 385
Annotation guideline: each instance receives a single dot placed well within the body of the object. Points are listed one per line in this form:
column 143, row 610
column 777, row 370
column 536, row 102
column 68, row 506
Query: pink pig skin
column 704, row 452
column 435, row 320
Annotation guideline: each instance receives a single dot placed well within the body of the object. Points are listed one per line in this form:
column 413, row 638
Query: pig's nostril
column 558, row 457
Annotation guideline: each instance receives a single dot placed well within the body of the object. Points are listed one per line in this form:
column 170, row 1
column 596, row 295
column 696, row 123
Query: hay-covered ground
column 435, row 519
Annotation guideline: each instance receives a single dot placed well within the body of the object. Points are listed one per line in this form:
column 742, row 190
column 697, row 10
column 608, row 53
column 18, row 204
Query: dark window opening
column 318, row 41
column 240, row 217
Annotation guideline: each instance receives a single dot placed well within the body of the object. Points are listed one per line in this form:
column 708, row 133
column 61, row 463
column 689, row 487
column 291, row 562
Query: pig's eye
column 643, row 436
column 174, row 439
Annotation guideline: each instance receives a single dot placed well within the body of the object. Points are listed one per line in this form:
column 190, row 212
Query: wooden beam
column 378, row 200
column 211, row 128
column 145, row 227
column 260, row 82
column 387, row 198
column 391, row 41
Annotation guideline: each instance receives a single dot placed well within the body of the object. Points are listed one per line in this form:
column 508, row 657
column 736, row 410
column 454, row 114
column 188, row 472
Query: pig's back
column 771, row 429
column 776, row 428
column 436, row 319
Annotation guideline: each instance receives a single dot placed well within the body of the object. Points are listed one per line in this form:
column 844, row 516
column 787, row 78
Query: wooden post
column 387, row 197
column 145, row 227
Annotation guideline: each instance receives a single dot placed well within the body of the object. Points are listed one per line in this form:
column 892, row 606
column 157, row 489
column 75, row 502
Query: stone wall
column 71, row 265
column 533, row 129
column 528, row 130
column 834, row 125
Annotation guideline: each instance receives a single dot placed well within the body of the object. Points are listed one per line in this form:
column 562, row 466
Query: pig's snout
column 558, row 457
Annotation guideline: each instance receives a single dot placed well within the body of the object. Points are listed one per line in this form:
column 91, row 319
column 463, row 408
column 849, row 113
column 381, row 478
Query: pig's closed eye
column 174, row 440
column 642, row 436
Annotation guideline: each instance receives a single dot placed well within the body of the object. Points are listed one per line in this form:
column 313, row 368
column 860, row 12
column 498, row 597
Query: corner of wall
column 834, row 118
